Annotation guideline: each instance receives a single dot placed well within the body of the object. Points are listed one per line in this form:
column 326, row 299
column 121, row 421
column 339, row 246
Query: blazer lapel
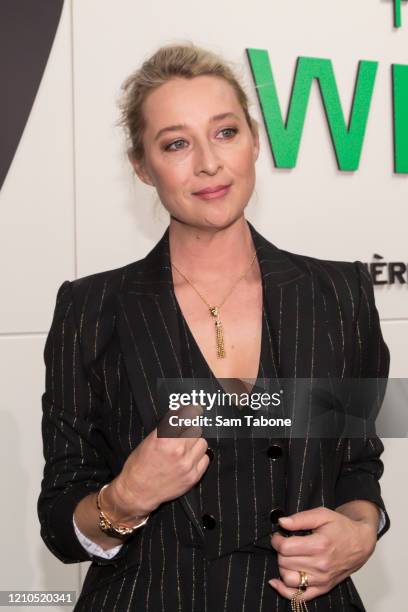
column 300, row 318
column 148, row 330
column 297, row 310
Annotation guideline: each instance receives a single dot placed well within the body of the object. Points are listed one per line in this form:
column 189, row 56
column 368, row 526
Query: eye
column 174, row 146
column 175, row 142
column 232, row 131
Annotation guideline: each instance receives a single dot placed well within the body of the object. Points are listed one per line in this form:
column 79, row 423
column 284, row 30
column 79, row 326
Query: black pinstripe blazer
column 114, row 333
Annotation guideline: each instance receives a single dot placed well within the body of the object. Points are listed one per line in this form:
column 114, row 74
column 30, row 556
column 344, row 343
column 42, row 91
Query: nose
column 206, row 159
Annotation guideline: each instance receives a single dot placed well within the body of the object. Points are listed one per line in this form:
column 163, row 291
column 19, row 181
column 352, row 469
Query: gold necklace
column 215, row 310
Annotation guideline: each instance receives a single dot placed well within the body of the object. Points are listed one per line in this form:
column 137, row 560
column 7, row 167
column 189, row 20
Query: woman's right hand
column 157, row 470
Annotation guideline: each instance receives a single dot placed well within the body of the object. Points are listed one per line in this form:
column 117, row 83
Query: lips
column 212, row 192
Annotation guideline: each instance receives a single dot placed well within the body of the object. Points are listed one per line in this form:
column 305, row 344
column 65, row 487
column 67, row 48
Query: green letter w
column 284, row 138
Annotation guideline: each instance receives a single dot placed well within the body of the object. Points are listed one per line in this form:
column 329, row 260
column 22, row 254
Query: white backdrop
column 70, row 206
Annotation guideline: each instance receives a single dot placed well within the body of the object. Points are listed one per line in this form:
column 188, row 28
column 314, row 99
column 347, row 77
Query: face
column 197, row 138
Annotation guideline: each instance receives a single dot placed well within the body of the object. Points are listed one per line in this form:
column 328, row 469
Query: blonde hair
column 172, row 60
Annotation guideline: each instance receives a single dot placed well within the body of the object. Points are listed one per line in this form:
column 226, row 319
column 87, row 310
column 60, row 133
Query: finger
column 196, row 453
column 190, row 411
column 186, row 414
column 199, row 459
column 292, row 578
column 180, row 427
column 307, row 519
column 296, row 545
column 193, row 431
column 182, row 442
column 288, row 592
column 310, row 565
column 198, row 450
column 202, row 466
column 187, row 430
column 195, row 442
column 175, row 436
column 307, row 564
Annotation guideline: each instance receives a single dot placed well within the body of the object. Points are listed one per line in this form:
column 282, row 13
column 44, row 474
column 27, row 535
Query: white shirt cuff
column 92, row 548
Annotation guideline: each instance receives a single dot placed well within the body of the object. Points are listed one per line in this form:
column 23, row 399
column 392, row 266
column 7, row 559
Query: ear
column 255, row 135
column 141, row 170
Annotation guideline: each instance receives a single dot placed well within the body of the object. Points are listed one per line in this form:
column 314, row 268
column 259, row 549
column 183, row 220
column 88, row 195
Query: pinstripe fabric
column 112, row 335
column 240, row 488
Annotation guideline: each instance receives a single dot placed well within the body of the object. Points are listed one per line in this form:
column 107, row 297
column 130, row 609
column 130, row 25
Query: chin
column 224, row 219
column 206, row 215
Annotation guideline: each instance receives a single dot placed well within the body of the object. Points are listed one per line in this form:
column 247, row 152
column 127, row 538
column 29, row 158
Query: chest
column 303, row 336
column 241, row 318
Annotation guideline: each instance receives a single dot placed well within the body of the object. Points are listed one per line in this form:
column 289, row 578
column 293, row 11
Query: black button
column 275, row 514
column 274, row 451
column 210, row 453
column 209, row 521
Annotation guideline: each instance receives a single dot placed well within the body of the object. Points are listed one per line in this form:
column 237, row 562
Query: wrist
column 362, row 510
column 120, row 507
column 369, row 534
column 366, row 515
column 117, row 529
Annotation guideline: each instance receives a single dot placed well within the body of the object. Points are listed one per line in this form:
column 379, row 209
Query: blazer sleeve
column 73, row 447
column 362, row 466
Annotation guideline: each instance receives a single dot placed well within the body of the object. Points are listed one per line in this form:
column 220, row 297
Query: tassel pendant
column 298, row 604
column 219, row 332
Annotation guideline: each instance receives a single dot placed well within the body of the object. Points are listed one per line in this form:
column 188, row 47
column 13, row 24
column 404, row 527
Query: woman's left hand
column 337, row 547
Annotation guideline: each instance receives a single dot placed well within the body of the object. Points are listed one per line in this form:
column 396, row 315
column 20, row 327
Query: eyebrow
column 180, row 126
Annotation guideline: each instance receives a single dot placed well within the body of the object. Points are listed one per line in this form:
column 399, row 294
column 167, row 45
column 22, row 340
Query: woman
column 171, row 523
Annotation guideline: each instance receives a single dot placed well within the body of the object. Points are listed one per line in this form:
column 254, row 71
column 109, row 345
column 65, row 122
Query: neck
column 210, row 255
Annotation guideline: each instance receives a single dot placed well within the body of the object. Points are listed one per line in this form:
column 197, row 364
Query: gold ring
column 303, row 581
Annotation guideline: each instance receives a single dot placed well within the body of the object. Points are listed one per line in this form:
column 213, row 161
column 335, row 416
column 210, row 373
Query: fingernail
column 272, row 582
column 285, row 519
